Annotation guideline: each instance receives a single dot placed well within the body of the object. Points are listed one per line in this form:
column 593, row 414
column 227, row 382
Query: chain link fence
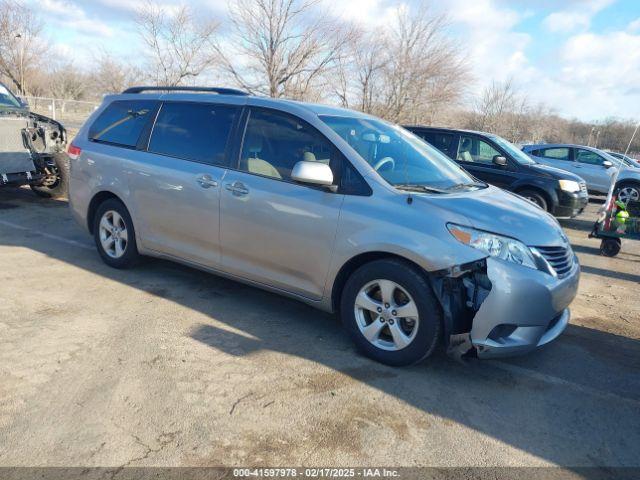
column 71, row 113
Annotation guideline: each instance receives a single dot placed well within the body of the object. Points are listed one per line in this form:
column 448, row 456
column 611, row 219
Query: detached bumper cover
column 525, row 309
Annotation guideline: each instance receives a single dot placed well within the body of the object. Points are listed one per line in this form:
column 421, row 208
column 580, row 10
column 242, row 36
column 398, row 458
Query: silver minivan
column 336, row 208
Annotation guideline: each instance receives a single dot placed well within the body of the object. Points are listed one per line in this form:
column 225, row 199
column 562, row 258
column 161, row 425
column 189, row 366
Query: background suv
column 594, row 165
column 336, row 208
column 498, row 162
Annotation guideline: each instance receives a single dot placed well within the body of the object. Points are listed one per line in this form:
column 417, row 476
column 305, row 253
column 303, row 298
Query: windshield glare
column 7, row 99
column 397, row 155
column 517, row 154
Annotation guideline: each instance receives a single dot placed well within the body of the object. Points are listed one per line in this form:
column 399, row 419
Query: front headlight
column 494, row 245
column 569, row 186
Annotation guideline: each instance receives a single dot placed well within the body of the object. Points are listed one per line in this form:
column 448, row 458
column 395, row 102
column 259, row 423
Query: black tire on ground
column 535, row 197
column 610, row 247
column 131, row 255
column 411, row 279
column 60, row 187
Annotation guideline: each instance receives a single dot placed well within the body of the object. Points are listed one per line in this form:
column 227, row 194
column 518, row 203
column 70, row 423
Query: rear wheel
column 391, row 313
column 629, row 191
column 114, row 235
column 56, row 184
column 535, row 197
column 610, row 247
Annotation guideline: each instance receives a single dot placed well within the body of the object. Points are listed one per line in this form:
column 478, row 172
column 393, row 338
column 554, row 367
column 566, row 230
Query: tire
column 610, row 247
column 115, row 214
column 626, row 191
column 60, row 186
column 420, row 333
column 535, row 197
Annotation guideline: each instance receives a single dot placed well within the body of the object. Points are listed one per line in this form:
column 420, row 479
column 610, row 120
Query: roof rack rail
column 220, row 91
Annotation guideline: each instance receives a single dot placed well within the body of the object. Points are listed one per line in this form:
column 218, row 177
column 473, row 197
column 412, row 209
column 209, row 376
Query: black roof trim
column 220, row 91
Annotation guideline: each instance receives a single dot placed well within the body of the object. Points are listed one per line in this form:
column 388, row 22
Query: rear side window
column 122, row 122
column 555, row 153
column 445, row 142
column 193, row 131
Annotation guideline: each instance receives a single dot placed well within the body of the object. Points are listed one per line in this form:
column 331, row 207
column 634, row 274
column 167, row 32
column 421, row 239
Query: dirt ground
column 164, row 365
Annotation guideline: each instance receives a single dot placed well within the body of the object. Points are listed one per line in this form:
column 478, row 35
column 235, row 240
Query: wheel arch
column 551, row 200
column 356, row 262
column 95, row 202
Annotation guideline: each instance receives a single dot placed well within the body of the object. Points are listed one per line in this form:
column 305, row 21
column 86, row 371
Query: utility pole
column 21, row 38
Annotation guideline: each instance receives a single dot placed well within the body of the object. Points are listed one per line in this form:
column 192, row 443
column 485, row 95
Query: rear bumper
column 524, row 310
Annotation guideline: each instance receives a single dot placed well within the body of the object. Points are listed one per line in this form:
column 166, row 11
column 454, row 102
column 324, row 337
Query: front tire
column 535, row 197
column 55, row 185
column 391, row 313
column 114, row 235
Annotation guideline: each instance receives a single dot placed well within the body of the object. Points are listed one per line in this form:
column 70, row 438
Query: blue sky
column 580, row 57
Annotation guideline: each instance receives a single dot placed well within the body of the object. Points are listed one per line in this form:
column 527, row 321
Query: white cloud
column 575, row 17
column 634, row 26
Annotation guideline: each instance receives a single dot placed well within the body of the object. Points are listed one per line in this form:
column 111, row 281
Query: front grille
column 583, row 188
column 560, row 259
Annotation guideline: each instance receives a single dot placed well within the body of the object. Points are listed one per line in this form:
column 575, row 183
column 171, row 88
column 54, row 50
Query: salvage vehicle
column 595, row 166
column 31, row 148
column 333, row 207
column 495, row 160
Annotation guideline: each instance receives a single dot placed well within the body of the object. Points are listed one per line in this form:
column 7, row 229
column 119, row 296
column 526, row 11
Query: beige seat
column 253, row 163
column 311, row 157
column 464, row 153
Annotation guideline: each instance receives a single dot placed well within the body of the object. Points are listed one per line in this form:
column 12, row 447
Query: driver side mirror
column 313, row 173
column 607, row 164
column 500, row 161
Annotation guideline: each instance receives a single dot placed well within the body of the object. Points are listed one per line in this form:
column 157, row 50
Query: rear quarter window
column 445, row 142
column 122, row 122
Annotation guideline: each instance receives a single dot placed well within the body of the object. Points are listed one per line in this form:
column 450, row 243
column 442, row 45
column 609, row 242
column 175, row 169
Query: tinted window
column 193, row 131
column 474, row 150
column 587, row 156
column 122, row 122
column 445, row 142
column 555, row 153
column 274, row 142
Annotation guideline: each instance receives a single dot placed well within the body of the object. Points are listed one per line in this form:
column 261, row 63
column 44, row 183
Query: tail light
column 74, row 152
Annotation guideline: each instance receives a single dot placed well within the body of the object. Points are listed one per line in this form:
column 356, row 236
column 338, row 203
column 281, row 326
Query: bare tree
column 282, row 47
column 409, row 73
column 113, row 76
column 179, row 43
column 67, row 82
column 21, row 48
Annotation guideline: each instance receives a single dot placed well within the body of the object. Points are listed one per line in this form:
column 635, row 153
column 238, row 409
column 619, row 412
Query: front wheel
column 535, row 197
column 391, row 313
column 627, row 192
column 56, row 183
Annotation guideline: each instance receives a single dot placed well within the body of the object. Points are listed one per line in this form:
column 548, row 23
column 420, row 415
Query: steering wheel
column 383, row 161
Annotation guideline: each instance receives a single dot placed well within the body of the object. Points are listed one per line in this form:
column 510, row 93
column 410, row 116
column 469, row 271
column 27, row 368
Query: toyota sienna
column 336, row 208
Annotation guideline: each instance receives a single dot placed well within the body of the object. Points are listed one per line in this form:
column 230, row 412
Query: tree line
column 411, row 71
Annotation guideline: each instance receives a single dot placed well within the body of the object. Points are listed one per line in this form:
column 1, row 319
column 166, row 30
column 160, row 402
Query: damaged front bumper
column 496, row 308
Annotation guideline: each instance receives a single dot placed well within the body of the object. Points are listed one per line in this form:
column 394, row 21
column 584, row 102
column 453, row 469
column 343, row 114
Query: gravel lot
column 164, row 365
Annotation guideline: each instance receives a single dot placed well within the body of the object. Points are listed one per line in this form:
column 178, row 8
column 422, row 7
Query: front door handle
column 205, row 181
column 237, row 188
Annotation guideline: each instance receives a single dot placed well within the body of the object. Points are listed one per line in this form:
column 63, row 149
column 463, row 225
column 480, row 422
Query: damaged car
column 31, row 148
column 336, row 208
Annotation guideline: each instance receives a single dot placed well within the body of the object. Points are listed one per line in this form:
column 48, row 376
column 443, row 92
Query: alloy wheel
column 387, row 315
column 113, row 234
column 627, row 194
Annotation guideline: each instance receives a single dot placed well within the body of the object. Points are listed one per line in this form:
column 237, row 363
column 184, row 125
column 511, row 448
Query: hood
column 553, row 172
column 495, row 210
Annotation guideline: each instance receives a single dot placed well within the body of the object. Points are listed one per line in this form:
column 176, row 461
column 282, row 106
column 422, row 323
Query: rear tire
column 391, row 313
column 610, row 247
column 535, row 197
column 55, row 187
column 628, row 191
column 114, row 235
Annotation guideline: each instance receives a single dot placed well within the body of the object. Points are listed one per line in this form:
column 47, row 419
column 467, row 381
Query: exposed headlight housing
column 494, row 245
column 569, row 186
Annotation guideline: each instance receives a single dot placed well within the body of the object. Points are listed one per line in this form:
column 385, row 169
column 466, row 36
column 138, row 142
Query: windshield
column 398, row 156
column 7, row 99
column 517, row 154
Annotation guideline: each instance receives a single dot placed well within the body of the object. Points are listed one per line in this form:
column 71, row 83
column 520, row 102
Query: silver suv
column 336, row 208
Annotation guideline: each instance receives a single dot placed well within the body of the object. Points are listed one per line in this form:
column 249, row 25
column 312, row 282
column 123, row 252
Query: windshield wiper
column 415, row 187
column 460, row 186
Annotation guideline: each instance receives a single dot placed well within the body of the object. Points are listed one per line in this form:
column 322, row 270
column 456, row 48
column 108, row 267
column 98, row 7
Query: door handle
column 237, row 188
column 206, row 181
